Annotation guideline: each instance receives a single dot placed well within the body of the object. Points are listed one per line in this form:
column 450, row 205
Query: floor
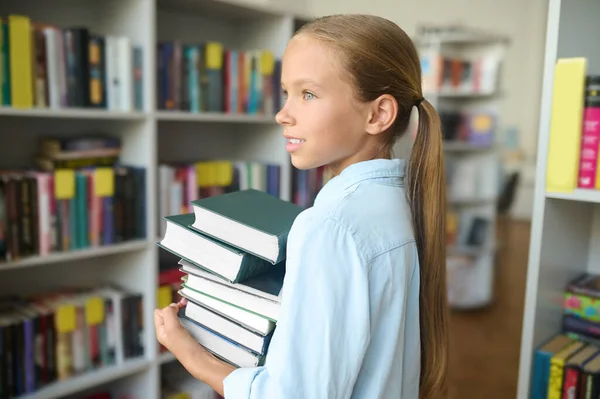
column 485, row 343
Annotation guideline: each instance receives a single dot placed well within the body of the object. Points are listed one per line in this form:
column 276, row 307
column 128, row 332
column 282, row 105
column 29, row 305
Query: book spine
column 571, row 382
column 28, row 349
column 125, row 73
column 590, row 139
column 97, row 79
column 565, row 125
column 555, row 380
column 138, row 81
column 40, row 69
column 5, row 70
column 581, row 326
column 21, row 67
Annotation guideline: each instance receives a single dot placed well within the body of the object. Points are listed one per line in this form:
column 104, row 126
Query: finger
column 170, row 316
column 158, row 319
column 178, row 305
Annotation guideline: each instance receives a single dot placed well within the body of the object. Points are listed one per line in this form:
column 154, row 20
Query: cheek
column 330, row 123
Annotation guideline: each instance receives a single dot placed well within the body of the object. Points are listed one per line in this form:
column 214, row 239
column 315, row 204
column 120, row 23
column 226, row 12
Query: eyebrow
column 304, row 81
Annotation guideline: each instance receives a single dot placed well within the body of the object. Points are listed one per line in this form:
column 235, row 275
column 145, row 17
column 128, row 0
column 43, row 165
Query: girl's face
column 323, row 122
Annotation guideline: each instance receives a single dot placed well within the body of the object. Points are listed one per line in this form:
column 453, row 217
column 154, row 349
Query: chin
column 303, row 163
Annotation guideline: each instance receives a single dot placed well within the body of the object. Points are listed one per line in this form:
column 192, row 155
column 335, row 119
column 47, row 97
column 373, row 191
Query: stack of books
column 568, row 363
column 233, row 252
column 581, row 306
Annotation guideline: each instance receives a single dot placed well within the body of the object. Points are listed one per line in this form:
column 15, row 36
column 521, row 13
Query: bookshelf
column 566, row 226
column 149, row 136
column 462, row 80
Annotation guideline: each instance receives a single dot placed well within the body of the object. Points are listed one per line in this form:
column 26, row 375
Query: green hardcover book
column 5, row 77
column 208, row 253
column 251, row 220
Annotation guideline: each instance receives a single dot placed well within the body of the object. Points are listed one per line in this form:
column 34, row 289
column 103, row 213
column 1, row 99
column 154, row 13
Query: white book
column 125, row 73
column 220, row 345
column 250, row 320
column 228, row 328
column 262, row 298
column 53, row 67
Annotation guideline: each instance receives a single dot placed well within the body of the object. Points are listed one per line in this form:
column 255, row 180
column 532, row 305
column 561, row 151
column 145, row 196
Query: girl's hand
column 169, row 331
column 199, row 363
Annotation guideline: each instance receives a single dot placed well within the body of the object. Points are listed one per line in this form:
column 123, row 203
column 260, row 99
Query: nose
column 284, row 117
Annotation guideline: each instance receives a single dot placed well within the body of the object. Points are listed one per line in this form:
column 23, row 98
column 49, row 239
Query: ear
column 382, row 114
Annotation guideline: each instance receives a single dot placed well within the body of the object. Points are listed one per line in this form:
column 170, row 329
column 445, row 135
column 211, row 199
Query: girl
column 363, row 312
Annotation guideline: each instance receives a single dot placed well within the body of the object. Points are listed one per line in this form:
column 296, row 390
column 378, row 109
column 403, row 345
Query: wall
column 524, row 22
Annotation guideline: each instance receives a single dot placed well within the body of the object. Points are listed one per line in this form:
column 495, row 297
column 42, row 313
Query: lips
column 293, row 143
column 296, row 141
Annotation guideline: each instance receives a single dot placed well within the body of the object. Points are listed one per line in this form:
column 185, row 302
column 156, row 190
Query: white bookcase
column 148, row 137
column 565, row 232
column 474, row 184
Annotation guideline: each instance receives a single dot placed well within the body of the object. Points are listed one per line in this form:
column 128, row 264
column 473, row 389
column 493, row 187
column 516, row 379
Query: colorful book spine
column 21, row 62
column 590, row 138
column 565, row 125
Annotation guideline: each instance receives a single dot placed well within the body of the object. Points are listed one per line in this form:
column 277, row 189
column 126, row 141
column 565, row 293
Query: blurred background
column 116, row 113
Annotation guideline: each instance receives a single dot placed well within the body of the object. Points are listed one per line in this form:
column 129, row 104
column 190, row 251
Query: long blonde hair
column 380, row 58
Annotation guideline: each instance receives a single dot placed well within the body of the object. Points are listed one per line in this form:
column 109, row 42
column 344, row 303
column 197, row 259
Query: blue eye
column 308, row 96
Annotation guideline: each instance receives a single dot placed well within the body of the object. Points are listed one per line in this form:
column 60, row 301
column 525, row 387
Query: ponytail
column 427, row 197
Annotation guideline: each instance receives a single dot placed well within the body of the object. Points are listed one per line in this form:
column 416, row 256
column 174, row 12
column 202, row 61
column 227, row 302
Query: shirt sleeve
column 322, row 334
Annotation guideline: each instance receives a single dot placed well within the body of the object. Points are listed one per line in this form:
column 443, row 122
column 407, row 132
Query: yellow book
column 21, row 63
column 562, row 167
column 557, row 369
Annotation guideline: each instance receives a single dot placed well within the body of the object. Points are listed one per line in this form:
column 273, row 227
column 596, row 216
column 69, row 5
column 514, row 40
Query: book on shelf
column 474, row 127
column 45, row 66
column 589, row 178
column 467, row 229
column 307, row 183
column 234, row 318
column 54, row 336
column 564, row 143
column 568, row 363
column 182, row 183
column 456, row 74
column 73, row 199
column 208, row 77
column 471, row 178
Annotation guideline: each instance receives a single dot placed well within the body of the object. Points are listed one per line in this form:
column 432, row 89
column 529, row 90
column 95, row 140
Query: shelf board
column 86, row 253
column 457, row 94
column 71, row 113
column 583, row 195
column 235, row 9
column 184, row 116
column 472, row 201
column 89, row 380
column 466, row 250
column 457, row 146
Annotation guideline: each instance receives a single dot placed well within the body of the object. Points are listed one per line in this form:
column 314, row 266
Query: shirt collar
column 391, row 170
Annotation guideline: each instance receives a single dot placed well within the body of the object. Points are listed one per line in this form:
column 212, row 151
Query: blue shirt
column 349, row 319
